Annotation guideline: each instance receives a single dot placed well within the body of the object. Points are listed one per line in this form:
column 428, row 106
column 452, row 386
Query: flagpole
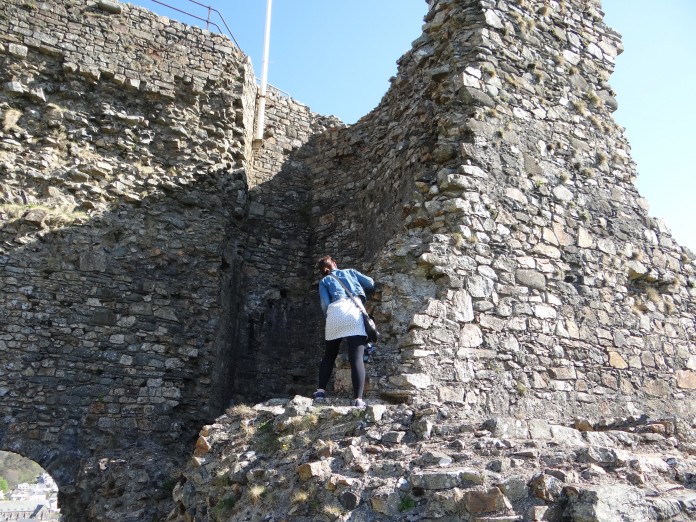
column 264, row 74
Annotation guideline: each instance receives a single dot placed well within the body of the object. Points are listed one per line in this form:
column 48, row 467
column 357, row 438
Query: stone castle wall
column 124, row 144
column 274, row 353
column 492, row 194
column 155, row 264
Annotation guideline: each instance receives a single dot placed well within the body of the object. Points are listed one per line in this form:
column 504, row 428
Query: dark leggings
column 356, row 348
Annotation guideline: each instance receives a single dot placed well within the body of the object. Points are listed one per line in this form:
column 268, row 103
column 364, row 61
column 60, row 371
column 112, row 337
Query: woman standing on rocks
column 343, row 321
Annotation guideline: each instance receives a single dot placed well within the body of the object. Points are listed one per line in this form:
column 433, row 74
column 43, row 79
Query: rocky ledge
column 286, row 460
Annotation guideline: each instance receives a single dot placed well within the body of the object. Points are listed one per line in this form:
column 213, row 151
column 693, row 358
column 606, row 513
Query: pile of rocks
column 286, row 460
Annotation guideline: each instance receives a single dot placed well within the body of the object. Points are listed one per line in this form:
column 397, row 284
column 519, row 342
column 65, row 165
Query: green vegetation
column 15, row 469
column 169, row 485
column 222, row 509
column 222, row 481
column 313, row 503
column 265, row 439
column 4, row 486
column 407, row 504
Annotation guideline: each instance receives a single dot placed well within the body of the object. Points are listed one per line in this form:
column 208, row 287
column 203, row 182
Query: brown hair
column 325, row 265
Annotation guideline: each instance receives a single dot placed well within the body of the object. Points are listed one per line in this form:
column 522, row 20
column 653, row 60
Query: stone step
column 671, row 507
column 504, row 518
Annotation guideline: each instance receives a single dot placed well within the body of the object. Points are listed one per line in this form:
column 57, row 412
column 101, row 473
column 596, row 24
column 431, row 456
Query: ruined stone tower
column 155, row 266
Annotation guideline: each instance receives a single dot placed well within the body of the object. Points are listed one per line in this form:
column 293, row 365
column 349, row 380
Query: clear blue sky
column 655, row 82
column 337, row 57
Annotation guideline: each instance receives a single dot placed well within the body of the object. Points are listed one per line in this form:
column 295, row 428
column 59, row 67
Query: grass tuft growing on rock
column 256, row 493
column 521, row 389
column 587, row 172
column 223, row 508
column 594, row 99
column 243, row 411
column 306, row 422
column 407, row 504
column 54, row 217
column 333, row 510
column 580, row 106
column 299, row 497
column 652, row 294
column 10, row 119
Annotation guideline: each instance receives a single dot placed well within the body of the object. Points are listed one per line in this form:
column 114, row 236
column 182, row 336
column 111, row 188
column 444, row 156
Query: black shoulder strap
column 344, row 286
column 357, row 302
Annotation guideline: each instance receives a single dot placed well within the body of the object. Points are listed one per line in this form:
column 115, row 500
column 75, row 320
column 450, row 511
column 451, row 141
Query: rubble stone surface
column 292, row 460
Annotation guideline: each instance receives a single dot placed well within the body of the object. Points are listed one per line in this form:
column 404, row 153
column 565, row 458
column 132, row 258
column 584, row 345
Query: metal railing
column 207, row 20
column 277, row 89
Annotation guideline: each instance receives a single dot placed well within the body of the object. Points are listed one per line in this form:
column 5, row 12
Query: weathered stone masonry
column 521, row 271
column 523, row 274
column 125, row 139
column 154, row 265
column 148, row 272
column 277, row 337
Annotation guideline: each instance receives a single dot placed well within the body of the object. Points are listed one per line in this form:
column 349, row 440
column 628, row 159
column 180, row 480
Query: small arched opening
column 27, row 491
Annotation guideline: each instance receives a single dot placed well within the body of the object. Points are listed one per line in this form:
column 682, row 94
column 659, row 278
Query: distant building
column 23, row 511
column 31, row 502
column 42, row 489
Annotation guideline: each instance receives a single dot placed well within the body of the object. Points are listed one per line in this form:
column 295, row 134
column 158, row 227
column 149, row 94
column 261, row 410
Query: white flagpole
column 264, row 74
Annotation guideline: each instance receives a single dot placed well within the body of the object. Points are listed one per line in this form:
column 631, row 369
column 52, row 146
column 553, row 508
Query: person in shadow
column 343, row 321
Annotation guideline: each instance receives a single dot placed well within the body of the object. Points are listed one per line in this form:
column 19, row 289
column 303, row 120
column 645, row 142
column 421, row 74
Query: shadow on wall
column 116, row 328
column 277, row 332
column 136, row 324
column 341, row 191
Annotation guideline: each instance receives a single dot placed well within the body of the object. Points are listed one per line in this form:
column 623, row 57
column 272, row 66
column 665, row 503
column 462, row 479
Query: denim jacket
column 331, row 290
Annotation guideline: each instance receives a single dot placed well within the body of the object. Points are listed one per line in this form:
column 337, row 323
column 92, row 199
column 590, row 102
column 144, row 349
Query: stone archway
column 31, row 492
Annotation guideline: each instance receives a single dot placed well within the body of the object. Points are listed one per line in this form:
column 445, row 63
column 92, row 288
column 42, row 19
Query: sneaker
column 369, row 352
column 359, row 403
column 319, row 396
